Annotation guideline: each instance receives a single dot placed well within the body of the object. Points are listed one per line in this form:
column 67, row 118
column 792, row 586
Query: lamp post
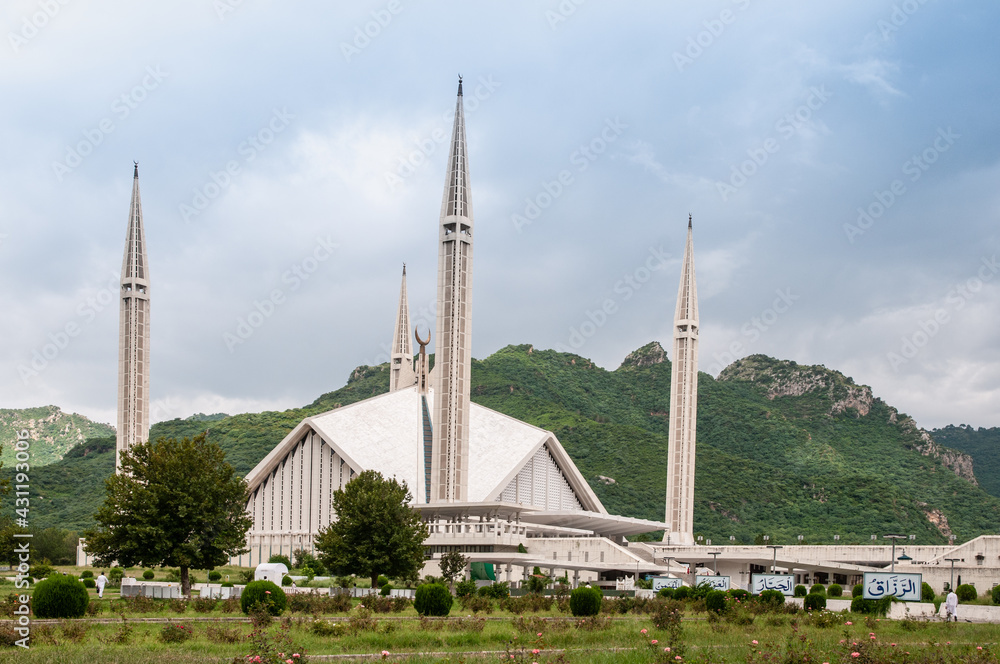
column 951, row 586
column 893, row 538
column 715, row 561
column 774, row 561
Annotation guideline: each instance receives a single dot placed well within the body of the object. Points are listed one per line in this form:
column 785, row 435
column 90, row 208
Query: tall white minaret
column 133, row 334
column 683, row 406
column 453, row 352
column 401, row 358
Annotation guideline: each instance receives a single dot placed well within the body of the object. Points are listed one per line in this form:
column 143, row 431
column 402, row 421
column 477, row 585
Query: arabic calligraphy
column 783, row 583
column 901, row 586
column 716, row 582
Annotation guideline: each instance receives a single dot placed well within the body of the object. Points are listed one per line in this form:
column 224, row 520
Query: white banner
column 888, row 584
column 717, row 582
column 660, row 582
column 783, row 582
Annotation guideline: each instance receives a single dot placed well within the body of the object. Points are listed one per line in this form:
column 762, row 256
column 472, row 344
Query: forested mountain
column 51, row 432
column 983, row 445
column 783, row 449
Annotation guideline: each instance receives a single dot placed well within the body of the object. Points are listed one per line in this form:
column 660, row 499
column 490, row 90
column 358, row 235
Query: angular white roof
column 385, row 433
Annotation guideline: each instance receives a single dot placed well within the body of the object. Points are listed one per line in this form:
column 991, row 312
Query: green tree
column 175, row 503
column 376, row 531
column 452, row 564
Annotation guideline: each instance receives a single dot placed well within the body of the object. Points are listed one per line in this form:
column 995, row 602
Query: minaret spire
column 683, row 406
column 401, row 357
column 133, row 333
column 453, row 352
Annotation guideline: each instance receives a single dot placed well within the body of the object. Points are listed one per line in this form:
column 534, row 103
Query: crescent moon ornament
column 416, row 333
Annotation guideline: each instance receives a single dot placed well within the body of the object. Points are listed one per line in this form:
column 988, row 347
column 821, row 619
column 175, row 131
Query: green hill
column 52, row 432
column 983, row 445
column 783, row 449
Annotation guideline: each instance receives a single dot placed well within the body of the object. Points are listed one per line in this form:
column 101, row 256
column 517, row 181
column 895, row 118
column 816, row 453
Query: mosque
column 503, row 492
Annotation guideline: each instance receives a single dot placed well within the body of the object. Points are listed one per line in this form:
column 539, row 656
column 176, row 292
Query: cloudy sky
column 840, row 161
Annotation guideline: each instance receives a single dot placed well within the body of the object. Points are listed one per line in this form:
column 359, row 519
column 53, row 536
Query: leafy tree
column 280, row 558
column 376, row 531
column 452, row 564
column 175, row 503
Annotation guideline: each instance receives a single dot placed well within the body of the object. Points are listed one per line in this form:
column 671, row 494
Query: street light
column 893, row 538
column 774, row 548
column 951, row 586
column 715, row 561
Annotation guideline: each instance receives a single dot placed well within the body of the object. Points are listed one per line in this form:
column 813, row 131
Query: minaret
column 683, row 406
column 453, row 358
column 401, row 358
column 133, row 334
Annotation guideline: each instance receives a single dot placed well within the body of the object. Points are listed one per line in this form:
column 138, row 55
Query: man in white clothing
column 101, row 582
column 951, row 607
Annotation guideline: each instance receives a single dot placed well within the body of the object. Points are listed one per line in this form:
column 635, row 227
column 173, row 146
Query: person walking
column 951, row 607
column 101, row 582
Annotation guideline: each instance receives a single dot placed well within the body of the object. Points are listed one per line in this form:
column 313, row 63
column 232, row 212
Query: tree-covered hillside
column 783, row 449
column 983, row 445
column 51, row 432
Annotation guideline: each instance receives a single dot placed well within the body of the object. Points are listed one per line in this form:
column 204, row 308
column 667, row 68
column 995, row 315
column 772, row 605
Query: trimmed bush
column 875, row 607
column 858, row 590
column 715, row 601
column 386, row 589
column 926, row 592
column 115, row 575
column 739, row 593
column 214, row 575
column 280, row 558
column 286, row 580
column 966, row 592
column 996, row 595
column 433, row 599
column 585, row 601
column 266, row 593
column 814, row 602
column 818, row 589
column 665, row 593
column 465, row 588
column 60, row 597
column 772, row 598
column 381, row 580
column 682, row 593
column 800, row 591
column 496, row 590
column 148, row 574
column 835, row 590
column 227, row 584
column 89, row 582
column 86, row 574
column 40, row 571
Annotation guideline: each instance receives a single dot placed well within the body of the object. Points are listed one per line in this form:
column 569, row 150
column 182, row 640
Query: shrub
column 218, row 634
column 266, row 593
column 926, row 592
column 875, row 607
column 433, row 599
column 86, row 574
column 148, row 574
column 60, row 597
column 772, row 597
column 40, row 571
column 996, row 595
column 115, row 575
column 665, row 593
column 280, row 558
column 381, row 580
column 682, row 593
column 858, row 590
column 835, row 590
column 465, row 588
column 286, row 580
column 800, row 591
column 818, row 588
column 715, row 601
column 966, row 592
column 586, row 601
column 476, row 604
column 175, row 633
column 814, row 602
column 496, row 590
column 203, row 604
column 739, row 593
column 214, row 575
column 89, row 583
column 386, row 589
column 226, row 584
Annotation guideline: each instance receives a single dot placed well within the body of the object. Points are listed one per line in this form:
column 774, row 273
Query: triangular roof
column 385, row 433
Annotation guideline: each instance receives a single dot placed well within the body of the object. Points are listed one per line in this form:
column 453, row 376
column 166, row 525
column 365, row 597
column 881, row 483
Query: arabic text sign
column 783, row 582
column 717, row 582
column 660, row 582
column 887, row 584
